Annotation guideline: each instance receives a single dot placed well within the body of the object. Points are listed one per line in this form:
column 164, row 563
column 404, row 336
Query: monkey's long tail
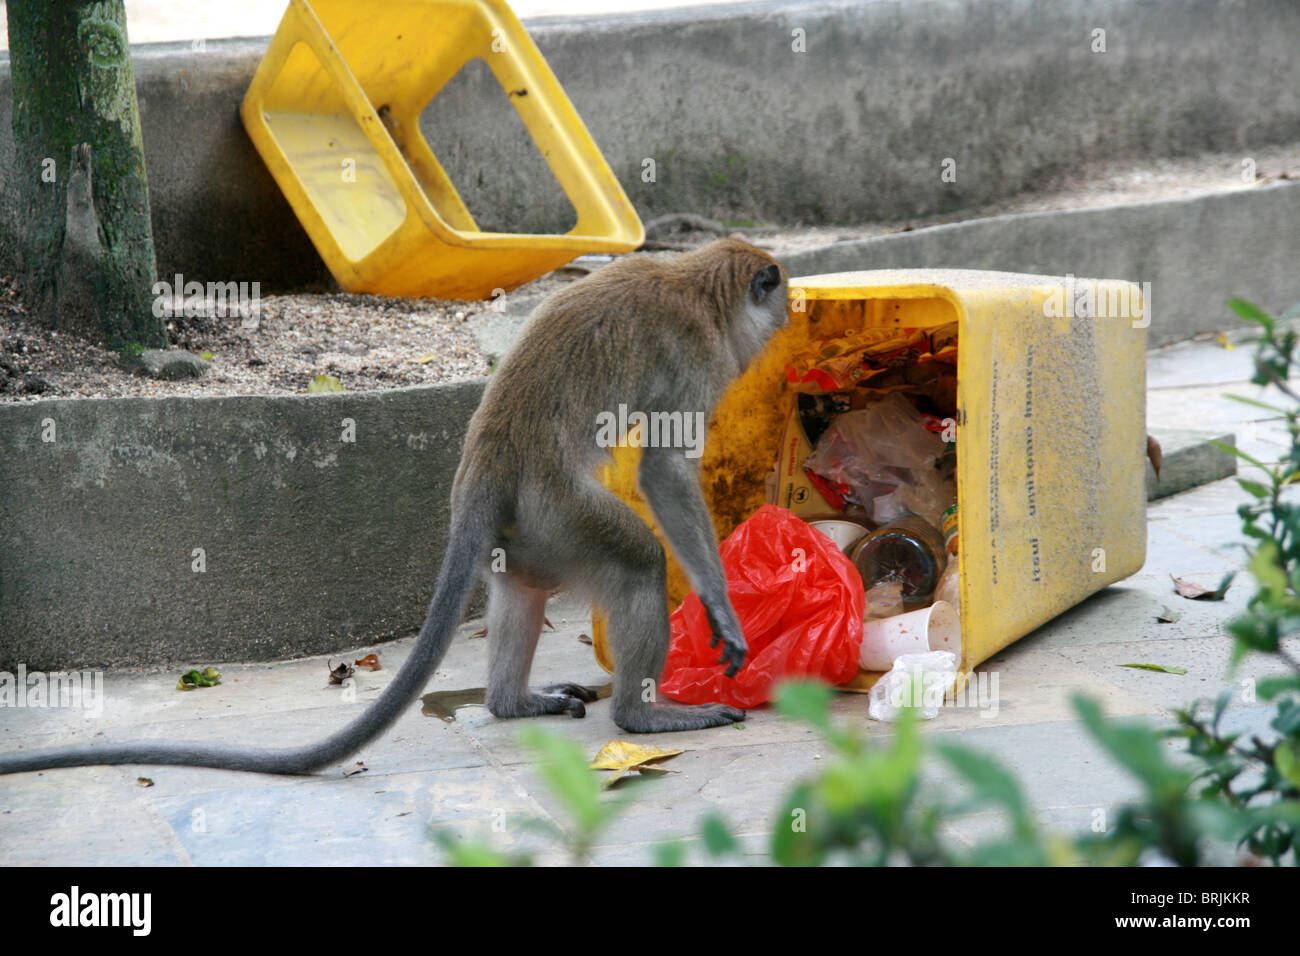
column 468, row 541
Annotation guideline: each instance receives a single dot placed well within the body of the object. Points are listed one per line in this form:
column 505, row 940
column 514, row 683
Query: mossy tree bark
column 87, row 256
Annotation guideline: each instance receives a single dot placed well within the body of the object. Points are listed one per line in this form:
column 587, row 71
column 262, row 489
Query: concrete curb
column 1189, row 461
column 308, row 542
column 1196, row 253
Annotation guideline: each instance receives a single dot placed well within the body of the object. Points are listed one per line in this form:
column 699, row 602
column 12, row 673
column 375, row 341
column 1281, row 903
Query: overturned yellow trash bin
column 334, row 111
column 1050, row 425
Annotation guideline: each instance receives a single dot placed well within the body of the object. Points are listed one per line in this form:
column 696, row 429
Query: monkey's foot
column 585, row 694
column 663, row 718
column 568, row 699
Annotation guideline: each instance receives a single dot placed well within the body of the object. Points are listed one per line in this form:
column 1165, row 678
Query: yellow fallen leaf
column 426, row 359
column 1223, row 340
column 626, row 757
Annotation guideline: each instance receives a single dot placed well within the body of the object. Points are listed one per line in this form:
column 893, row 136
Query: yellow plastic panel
column 1051, row 436
column 359, row 214
column 334, row 111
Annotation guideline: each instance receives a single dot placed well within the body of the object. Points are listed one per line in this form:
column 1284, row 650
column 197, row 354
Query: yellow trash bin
column 1051, row 434
column 334, row 111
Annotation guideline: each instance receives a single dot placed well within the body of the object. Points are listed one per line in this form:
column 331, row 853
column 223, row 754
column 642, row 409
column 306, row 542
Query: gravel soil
column 373, row 342
column 365, row 341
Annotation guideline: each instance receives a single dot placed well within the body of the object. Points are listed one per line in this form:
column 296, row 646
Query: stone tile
column 1198, row 363
column 128, row 831
column 1167, row 551
column 1058, row 763
column 352, row 822
column 1205, row 660
column 1205, row 406
column 1218, row 497
column 1127, row 612
column 744, row 784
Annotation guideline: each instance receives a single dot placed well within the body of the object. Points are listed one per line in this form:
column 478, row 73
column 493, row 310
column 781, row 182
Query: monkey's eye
column 764, row 281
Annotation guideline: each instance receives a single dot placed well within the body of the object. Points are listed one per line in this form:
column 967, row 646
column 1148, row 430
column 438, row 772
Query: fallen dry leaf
column 1155, row 454
column 1168, row 616
column 143, row 782
column 355, row 769
column 1196, row 592
column 341, row 673
column 370, row 660
column 650, row 770
column 584, row 638
column 1162, row 668
column 625, row 758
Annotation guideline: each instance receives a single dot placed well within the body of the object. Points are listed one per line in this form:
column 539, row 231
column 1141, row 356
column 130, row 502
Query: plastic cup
column 845, row 534
column 933, row 628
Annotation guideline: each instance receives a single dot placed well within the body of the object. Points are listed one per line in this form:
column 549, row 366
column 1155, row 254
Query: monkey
column 656, row 334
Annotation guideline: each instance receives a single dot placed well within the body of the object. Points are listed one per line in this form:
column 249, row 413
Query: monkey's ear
column 765, row 280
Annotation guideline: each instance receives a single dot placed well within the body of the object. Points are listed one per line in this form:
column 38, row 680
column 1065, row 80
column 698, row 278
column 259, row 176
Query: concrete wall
column 742, row 127
column 310, row 543
column 1196, row 253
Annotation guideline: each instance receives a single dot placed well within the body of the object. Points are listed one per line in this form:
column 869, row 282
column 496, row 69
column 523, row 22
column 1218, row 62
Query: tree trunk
column 86, row 245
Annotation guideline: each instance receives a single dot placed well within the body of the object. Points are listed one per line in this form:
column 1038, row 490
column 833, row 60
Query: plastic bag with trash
column 917, row 680
column 890, row 461
column 799, row 602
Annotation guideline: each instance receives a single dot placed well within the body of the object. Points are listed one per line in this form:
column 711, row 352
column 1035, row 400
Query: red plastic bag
column 799, row 601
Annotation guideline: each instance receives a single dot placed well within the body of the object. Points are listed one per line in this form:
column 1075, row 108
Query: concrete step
column 1189, row 460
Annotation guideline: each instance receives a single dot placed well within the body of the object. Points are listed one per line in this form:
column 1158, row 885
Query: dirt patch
column 366, row 341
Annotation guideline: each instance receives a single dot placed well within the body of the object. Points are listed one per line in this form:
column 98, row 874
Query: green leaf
column 717, row 835
column 795, row 841
column 1137, row 748
column 207, row 356
column 1257, row 404
column 563, row 767
column 1264, row 565
column 669, row 854
column 1234, row 450
column 324, row 383
column 1250, row 312
column 1254, row 488
column 1287, row 720
column 1162, row 668
column 470, row 853
column 208, row 677
column 1284, row 758
column 808, row 701
column 993, row 783
column 1220, row 705
column 1270, row 687
column 1253, row 634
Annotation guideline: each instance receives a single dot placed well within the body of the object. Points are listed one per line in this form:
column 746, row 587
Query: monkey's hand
column 671, row 484
column 734, row 647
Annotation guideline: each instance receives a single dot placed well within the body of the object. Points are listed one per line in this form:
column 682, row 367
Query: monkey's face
column 765, row 306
